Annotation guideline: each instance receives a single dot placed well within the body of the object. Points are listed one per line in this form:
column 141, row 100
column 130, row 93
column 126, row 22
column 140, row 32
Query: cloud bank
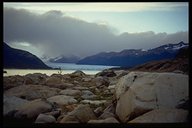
column 53, row 33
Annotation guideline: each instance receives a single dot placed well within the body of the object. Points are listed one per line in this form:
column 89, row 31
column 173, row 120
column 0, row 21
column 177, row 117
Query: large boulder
column 11, row 103
column 107, row 120
column 81, row 114
column 106, row 73
column 35, row 78
column 140, row 92
column 88, row 95
column 31, row 92
column 62, row 100
column 43, row 118
column 77, row 73
column 12, row 81
column 162, row 116
column 32, row 109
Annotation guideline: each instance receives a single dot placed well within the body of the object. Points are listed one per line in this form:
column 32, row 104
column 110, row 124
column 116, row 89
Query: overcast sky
column 84, row 29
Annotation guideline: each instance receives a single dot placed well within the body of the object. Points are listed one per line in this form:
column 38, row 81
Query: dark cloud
column 55, row 33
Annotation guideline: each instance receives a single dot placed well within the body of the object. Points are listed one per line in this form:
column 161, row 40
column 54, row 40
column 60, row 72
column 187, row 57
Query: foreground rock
column 70, row 92
column 62, row 100
column 32, row 109
column 57, row 81
column 43, row 118
column 12, row 81
column 140, row 92
column 107, row 120
column 82, row 114
column 87, row 95
column 162, row 116
column 11, row 103
column 31, row 92
column 35, row 78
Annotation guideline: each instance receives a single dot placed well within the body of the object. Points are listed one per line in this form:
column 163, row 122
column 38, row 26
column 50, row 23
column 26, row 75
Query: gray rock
column 110, row 108
column 121, row 73
column 35, row 78
column 106, row 115
column 58, row 82
column 81, row 114
column 87, row 79
column 98, row 111
column 43, row 118
column 80, row 88
column 86, row 94
column 148, row 91
column 62, row 100
column 93, row 102
column 70, row 92
column 107, row 120
column 11, row 103
column 55, row 113
column 31, row 92
column 12, row 81
column 32, row 109
column 101, row 81
column 78, row 73
column 106, row 73
column 162, row 116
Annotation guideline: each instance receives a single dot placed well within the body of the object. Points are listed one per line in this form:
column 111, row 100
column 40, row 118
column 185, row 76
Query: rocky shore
column 117, row 96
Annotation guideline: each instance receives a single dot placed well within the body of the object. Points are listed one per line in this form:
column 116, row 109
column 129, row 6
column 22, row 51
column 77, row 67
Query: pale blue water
column 72, row 66
column 66, row 69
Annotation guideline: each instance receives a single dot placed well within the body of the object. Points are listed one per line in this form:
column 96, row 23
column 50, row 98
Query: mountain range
column 20, row 59
column 133, row 57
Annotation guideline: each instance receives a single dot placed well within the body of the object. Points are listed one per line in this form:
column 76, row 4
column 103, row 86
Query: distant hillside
column 179, row 63
column 132, row 57
column 20, row 59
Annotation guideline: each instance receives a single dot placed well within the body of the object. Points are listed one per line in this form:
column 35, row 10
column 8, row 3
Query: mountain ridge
column 133, row 57
column 20, row 59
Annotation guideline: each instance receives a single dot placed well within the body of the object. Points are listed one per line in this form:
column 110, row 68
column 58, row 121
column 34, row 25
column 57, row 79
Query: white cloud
column 53, row 34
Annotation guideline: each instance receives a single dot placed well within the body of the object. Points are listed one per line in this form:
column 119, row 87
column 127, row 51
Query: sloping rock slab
column 162, row 116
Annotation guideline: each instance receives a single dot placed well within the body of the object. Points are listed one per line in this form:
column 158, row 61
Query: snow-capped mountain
column 64, row 59
column 132, row 57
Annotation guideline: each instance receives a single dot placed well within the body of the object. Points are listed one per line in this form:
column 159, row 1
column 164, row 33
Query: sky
column 83, row 29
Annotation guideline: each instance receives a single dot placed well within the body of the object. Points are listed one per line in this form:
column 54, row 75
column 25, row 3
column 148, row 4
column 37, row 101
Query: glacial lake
column 66, row 69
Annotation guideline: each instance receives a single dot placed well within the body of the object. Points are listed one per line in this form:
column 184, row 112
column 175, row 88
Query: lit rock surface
column 140, row 92
column 62, row 100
